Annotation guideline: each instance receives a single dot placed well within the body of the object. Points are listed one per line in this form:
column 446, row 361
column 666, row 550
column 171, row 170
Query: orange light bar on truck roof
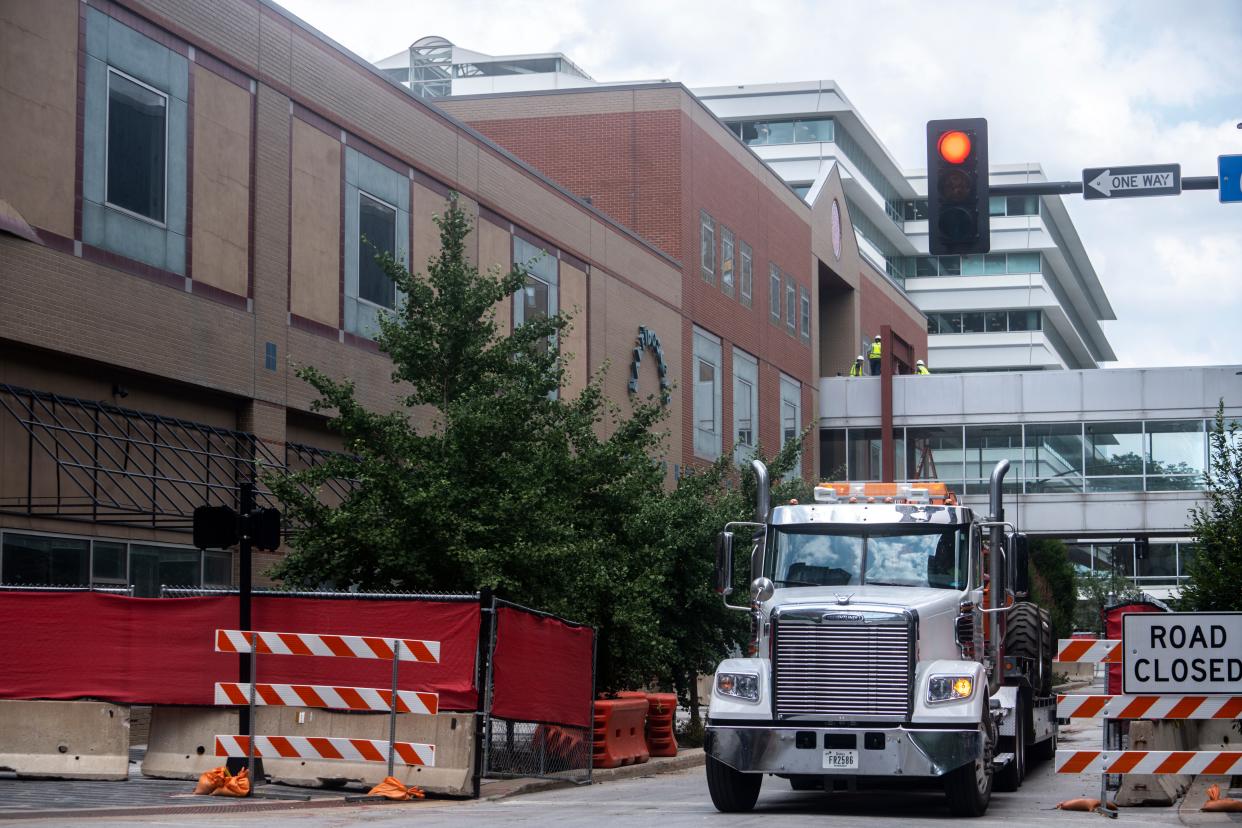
column 920, row 492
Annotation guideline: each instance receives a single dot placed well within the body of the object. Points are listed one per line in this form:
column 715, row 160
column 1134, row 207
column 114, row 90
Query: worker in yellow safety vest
column 856, row 370
column 874, row 355
column 920, row 367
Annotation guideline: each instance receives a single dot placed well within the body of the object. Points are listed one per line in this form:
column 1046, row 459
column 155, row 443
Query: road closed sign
column 1182, row 652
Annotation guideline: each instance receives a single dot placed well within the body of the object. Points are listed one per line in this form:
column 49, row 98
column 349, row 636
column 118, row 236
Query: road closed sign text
column 1182, row 652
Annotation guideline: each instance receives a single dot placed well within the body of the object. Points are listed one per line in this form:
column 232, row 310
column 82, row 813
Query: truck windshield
column 823, row 556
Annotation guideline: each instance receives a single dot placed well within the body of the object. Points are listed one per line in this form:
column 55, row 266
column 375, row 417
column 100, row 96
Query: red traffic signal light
column 954, row 146
column 957, row 187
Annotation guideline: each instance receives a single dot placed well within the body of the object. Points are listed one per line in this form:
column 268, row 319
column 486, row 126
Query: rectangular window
column 791, row 416
column 108, row 563
column 1175, row 455
column 1024, row 320
column 1053, row 457
column 950, row 265
column 746, row 283
column 934, row 453
column 217, row 569
column 804, row 313
column 137, row 147
column 984, row 446
column 708, row 397
column 538, row 298
column 994, row 321
column 832, row 462
column 774, row 294
column 1024, row 262
column 151, row 567
column 377, row 228
column 726, row 261
column 745, row 405
column 791, row 305
column 972, row 323
column 39, row 560
column 996, row 205
column 925, row 266
column 707, row 248
column 1114, row 457
column 1024, row 205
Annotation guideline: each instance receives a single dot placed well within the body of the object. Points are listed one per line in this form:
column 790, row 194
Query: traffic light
column 215, row 527
column 957, row 186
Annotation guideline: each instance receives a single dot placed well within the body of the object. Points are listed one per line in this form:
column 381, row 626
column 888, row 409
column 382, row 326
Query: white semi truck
column 890, row 642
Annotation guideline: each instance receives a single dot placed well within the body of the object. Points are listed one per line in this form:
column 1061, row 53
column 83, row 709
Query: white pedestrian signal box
column 1182, row 652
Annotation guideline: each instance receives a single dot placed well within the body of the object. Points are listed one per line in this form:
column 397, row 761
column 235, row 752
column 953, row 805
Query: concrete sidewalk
column 494, row 789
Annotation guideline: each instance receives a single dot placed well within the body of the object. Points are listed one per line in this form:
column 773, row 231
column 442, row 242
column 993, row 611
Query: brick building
column 774, row 294
column 183, row 191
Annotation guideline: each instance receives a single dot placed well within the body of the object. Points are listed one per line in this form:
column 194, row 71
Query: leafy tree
column 1099, row 590
column 1054, row 583
column 1216, row 571
column 486, row 476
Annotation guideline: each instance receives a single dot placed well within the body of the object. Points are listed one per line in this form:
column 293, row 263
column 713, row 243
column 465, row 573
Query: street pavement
column 679, row 799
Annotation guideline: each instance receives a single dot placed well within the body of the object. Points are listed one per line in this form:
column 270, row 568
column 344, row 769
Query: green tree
column 485, row 475
column 1054, row 583
column 1216, row 571
column 1099, row 590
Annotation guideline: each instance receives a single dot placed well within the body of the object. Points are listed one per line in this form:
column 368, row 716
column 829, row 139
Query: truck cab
column 869, row 656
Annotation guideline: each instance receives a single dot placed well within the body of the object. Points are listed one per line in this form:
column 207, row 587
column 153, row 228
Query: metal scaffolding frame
column 101, row 463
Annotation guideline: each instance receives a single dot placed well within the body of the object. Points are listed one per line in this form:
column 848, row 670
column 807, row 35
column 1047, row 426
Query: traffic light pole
column 1198, row 182
column 245, row 504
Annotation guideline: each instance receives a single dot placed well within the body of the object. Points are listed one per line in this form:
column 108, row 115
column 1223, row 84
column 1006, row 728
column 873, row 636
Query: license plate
column 840, row 760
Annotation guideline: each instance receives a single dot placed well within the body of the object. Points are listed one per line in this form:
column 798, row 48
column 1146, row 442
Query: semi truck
column 892, row 642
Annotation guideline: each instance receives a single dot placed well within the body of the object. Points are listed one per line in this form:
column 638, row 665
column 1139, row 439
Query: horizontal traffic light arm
column 1199, row 182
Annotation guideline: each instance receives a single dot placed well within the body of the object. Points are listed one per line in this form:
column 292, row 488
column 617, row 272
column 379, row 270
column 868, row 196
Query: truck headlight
column 738, row 685
column 949, row 688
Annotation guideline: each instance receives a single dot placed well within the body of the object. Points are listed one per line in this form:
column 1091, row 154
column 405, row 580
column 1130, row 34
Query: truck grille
column 842, row 670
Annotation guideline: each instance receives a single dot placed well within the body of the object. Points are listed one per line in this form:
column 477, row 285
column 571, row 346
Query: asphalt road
column 681, row 799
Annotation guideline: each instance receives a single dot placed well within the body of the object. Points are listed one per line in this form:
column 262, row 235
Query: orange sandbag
column 211, row 780
column 235, row 785
column 394, row 788
column 1213, row 791
column 1223, row 805
column 1081, row 804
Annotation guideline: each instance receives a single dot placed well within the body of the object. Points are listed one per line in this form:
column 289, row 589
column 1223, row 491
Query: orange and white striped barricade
column 1148, row 707
column 1087, row 650
column 323, row 747
column 1212, row 762
column 255, row 693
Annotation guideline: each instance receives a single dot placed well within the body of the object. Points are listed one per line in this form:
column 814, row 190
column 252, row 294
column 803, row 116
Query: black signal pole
column 245, row 503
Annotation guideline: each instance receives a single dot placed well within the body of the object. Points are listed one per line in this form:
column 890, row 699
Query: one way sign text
column 1131, row 182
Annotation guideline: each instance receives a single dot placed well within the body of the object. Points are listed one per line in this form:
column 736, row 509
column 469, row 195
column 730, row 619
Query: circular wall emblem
column 836, row 230
column 648, row 341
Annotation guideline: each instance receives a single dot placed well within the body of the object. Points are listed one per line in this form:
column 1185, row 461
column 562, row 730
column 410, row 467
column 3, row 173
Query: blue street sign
column 1229, row 172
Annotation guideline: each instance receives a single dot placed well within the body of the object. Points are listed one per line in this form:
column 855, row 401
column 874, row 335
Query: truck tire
column 732, row 791
column 1010, row 777
column 969, row 788
column 1028, row 635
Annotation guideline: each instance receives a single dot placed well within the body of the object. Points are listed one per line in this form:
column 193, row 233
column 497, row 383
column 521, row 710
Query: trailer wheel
column 1028, row 634
column 732, row 791
column 969, row 788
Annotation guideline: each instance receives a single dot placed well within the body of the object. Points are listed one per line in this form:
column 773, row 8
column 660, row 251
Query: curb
column 687, row 758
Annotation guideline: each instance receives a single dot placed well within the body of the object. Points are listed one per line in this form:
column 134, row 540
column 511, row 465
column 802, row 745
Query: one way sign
column 1131, row 182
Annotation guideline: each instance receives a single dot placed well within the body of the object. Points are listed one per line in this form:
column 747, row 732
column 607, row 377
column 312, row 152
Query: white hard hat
column 877, row 336
column 918, row 362
column 860, row 357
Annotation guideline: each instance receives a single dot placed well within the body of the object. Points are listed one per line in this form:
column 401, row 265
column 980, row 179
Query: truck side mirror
column 1021, row 565
column 724, row 563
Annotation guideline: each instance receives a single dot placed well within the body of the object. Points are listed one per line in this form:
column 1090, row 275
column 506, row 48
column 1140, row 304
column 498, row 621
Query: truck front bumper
column 904, row 751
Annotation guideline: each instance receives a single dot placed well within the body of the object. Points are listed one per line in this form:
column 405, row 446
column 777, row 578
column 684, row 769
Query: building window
column 538, row 298
column 801, row 189
column 707, row 248
column 54, row 560
column 1053, row 458
column 377, row 220
column 791, row 416
column 992, row 264
column 1175, row 455
column 377, row 226
column 791, row 305
column 708, row 398
column 774, row 294
column 746, row 279
column 137, row 147
column 955, row 322
column 745, row 405
column 726, row 261
column 801, row 131
column 1027, row 205
column 804, row 313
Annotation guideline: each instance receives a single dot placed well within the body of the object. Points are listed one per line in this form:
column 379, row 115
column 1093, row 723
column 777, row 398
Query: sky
column 1087, row 83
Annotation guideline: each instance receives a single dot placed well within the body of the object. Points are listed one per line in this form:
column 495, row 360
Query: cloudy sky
column 1068, row 84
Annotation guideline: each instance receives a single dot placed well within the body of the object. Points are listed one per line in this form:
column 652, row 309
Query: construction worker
column 856, row 370
column 874, row 356
column 920, row 367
